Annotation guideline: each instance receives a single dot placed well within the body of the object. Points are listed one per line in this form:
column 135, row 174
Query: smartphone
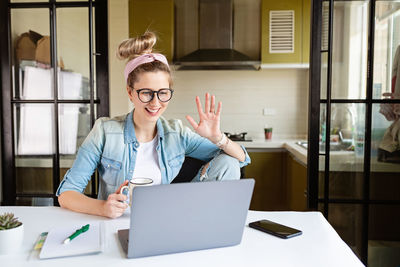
column 275, row 229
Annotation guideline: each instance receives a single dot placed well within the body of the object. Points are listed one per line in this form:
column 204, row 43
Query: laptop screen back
column 188, row 216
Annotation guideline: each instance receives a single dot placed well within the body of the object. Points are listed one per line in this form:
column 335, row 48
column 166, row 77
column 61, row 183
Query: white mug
column 138, row 181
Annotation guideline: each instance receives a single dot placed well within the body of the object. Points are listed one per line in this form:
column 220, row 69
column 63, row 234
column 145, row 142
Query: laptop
column 186, row 216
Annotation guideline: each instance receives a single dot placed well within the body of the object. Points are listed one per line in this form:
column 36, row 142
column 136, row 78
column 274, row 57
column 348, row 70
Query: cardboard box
column 42, row 52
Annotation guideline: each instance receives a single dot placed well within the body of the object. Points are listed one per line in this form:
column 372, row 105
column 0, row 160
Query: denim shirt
column 111, row 147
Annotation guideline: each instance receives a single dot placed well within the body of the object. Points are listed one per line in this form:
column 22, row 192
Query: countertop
column 339, row 160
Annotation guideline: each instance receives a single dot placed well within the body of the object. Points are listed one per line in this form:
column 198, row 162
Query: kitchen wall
column 244, row 93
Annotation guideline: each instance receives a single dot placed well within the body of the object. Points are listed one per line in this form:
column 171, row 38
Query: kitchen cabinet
column 296, row 175
column 285, row 33
column 156, row 16
column 269, row 171
column 281, row 181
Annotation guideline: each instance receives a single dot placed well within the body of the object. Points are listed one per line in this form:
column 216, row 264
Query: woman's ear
column 130, row 93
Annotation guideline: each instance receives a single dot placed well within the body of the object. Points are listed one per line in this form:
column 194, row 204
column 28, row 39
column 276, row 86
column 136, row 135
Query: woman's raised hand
column 208, row 126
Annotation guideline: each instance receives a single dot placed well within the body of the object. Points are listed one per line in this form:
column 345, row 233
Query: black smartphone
column 275, row 229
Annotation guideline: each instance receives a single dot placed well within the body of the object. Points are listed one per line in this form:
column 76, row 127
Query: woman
column 144, row 144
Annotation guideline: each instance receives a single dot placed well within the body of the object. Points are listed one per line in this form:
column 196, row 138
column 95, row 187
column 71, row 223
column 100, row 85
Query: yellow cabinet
column 296, row 175
column 281, row 181
column 156, row 16
column 268, row 169
column 285, row 31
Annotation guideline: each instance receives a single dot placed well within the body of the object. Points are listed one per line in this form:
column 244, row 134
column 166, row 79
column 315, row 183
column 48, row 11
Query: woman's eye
column 146, row 93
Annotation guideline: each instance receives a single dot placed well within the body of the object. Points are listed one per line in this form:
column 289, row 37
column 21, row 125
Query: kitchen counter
column 262, row 145
column 339, row 160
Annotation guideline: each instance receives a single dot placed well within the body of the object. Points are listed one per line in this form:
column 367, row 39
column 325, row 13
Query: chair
column 190, row 168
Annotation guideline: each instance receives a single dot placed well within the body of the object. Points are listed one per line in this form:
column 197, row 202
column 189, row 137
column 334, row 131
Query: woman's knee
column 224, row 167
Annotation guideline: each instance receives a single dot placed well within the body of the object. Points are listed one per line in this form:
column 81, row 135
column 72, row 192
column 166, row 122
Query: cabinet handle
column 305, row 193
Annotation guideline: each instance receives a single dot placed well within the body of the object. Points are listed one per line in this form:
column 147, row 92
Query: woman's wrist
column 216, row 138
column 222, row 142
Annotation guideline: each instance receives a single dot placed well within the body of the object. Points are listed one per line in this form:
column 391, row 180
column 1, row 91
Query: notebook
column 89, row 242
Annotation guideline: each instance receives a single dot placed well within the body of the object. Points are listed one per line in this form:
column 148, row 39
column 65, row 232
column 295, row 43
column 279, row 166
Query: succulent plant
column 8, row 221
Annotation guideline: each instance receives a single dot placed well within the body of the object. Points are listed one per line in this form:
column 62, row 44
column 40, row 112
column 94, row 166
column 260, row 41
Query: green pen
column 77, row 232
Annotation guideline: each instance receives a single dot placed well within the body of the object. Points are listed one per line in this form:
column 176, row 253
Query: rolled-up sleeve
column 86, row 162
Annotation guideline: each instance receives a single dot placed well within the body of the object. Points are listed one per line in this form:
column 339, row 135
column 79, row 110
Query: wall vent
column 325, row 26
column 281, row 31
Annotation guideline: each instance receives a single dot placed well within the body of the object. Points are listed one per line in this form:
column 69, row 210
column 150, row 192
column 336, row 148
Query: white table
column 319, row 245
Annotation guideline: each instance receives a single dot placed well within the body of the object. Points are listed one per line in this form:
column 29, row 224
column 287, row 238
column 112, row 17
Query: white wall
column 118, row 30
column 244, row 94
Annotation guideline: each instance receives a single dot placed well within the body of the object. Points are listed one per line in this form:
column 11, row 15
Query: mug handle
column 123, row 188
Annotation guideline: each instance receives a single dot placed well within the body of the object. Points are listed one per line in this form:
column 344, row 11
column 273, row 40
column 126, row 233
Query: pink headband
column 146, row 58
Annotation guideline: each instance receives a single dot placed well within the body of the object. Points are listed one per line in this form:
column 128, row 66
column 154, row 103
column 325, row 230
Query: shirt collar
column 129, row 130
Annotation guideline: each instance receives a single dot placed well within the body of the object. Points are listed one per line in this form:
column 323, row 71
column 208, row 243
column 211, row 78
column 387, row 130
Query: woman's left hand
column 208, row 126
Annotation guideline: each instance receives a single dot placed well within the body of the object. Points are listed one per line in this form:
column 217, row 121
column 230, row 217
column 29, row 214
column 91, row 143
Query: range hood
column 216, row 41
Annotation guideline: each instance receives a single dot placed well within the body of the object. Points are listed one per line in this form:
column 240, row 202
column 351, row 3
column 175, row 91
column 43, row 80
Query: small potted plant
column 11, row 233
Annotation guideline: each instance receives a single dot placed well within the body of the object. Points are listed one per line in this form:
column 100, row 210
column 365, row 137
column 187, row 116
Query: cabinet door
column 296, row 184
column 268, row 169
column 156, row 16
column 281, row 31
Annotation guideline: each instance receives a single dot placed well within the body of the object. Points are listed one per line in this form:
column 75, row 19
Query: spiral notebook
column 89, row 242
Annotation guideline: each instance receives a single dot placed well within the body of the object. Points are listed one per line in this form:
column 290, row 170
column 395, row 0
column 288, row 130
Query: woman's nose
column 155, row 99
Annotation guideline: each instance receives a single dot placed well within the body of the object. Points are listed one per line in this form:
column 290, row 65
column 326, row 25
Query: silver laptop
column 186, row 216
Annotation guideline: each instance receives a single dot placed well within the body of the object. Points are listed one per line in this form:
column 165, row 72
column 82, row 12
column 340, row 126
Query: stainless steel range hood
column 216, row 40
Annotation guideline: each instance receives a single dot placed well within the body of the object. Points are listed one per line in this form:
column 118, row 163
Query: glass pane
column 385, row 158
column 384, row 235
column 32, row 78
column 346, row 150
column 324, row 75
column 347, row 221
column 74, row 126
column 73, row 52
column 33, row 124
column 386, row 50
column 349, row 51
column 34, row 131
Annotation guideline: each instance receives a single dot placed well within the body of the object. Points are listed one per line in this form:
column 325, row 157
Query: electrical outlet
column 269, row 111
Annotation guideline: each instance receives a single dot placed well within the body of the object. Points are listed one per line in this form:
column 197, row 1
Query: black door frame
column 101, row 101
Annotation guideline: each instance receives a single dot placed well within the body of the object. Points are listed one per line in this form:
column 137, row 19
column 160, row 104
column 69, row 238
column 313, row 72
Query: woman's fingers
column 212, row 108
column 123, row 184
column 219, row 108
column 198, row 104
column 192, row 122
column 207, row 104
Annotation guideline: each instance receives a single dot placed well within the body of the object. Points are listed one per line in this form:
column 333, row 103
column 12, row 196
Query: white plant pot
column 11, row 240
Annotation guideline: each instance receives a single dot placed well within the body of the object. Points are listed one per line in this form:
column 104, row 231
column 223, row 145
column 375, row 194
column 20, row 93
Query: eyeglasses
column 146, row 95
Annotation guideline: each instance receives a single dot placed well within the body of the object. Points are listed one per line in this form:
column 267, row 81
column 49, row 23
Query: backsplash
column 244, row 95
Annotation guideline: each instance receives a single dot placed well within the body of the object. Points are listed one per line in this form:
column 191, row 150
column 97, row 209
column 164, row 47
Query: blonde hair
column 137, row 46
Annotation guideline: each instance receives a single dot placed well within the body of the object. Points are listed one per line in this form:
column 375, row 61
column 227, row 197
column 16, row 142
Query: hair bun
column 137, row 46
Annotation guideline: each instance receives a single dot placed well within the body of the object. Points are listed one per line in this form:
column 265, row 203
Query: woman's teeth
column 152, row 110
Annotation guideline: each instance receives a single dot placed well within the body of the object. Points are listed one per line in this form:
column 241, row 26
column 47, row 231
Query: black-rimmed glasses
column 146, row 95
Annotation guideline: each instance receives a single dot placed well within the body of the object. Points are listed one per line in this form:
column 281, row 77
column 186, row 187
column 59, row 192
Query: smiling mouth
column 152, row 111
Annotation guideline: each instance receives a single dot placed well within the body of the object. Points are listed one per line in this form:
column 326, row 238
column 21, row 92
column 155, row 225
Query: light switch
column 269, row 111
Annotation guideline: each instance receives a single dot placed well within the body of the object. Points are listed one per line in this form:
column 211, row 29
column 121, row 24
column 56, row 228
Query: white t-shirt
column 147, row 162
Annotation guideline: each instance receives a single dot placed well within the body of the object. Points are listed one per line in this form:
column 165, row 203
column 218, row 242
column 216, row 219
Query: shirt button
column 136, row 144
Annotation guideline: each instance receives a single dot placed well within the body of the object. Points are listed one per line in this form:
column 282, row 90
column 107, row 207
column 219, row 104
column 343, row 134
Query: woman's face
column 152, row 110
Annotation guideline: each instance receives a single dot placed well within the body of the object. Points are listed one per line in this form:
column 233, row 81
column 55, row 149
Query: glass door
column 56, row 52
column 354, row 168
